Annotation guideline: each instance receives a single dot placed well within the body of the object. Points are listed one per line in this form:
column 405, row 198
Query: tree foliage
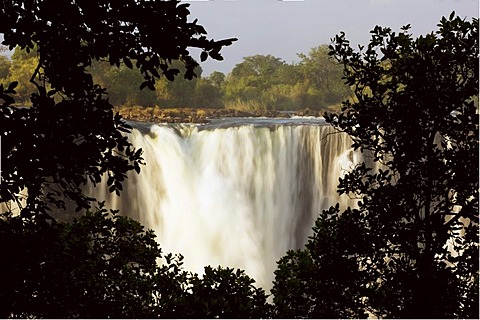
column 315, row 82
column 179, row 93
column 52, row 148
column 23, row 65
column 322, row 74
column 321, row 281
column 103, row 265
column 5, row 65
column 122, row 84
column 410, row 247
column 260, row 80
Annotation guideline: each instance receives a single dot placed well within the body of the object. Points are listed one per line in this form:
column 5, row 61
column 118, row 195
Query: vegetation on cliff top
column 260, row 83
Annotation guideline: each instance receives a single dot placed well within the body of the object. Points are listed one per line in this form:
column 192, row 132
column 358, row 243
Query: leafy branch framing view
column 409, row 249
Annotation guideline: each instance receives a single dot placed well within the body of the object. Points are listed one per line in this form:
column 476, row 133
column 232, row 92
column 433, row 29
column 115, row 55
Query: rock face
column 190, row 115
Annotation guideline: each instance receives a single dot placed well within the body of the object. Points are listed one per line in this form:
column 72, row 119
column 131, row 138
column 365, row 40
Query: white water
column 237, row 194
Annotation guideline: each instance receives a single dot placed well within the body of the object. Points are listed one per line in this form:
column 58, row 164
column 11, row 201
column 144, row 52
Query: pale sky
column 285, row 28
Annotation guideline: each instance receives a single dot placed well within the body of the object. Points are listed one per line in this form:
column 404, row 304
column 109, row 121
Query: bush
column 103, row 265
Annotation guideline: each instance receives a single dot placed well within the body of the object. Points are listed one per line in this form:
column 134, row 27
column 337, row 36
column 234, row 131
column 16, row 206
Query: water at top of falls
column 236, row 192
column 237, row 122
column 261, row 122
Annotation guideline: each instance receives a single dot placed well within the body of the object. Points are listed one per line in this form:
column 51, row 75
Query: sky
column 285, row 28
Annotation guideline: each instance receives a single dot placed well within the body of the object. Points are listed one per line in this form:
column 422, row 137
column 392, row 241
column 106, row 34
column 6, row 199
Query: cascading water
column 237, row 193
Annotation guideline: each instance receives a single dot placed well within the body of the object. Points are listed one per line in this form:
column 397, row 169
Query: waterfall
column 237, row 194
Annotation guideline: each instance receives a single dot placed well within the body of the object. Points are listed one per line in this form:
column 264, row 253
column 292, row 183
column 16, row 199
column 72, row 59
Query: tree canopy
column 315, row 82
column 103, row 265
column 70, row 133
column 410, row 248
column 259, row 81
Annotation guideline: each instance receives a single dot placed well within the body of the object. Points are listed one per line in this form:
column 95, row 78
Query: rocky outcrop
column 190, row 115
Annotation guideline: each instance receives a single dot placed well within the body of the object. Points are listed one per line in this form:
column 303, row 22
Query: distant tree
column 289, row 74
column 411, row 247
column 54, row 147
column 258, row 65
column 287, row 90
column 250, row 78
column 178, row 93
column 209, row 91
column 23, row 65
column 122, row 83
column 5, row 65
column 217, row 78
column 207, row 94
column 246, row 89
column 315, row 82
column 323, row 74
